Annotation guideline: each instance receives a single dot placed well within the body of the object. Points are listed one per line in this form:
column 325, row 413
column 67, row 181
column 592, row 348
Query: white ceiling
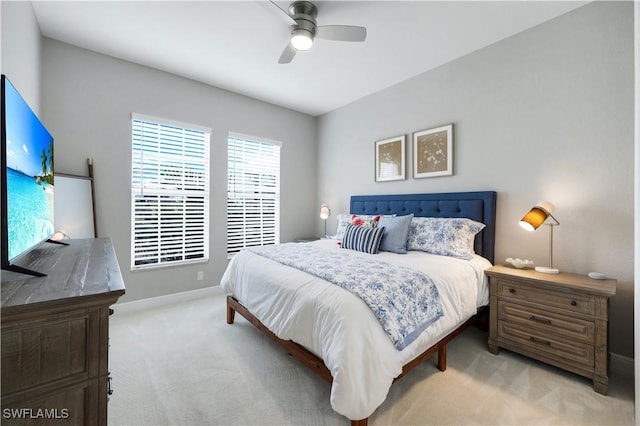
column 235, row 45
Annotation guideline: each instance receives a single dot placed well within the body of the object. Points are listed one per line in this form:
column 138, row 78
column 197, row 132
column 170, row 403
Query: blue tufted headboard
column 479, row 206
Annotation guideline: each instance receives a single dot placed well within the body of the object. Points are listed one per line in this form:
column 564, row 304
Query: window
column 253, row 195
column 169, row 193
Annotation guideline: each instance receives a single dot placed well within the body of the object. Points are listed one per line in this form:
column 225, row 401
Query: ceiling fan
column 304, row 30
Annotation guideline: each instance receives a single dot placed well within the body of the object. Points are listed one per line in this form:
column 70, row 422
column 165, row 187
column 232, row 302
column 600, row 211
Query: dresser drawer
column 42, row 351
column 546, row 344
column 547, row 322
column 572, row 302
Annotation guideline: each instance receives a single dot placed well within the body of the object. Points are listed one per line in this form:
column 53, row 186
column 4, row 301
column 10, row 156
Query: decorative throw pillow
column 445, row 236
column 362, row 239
column 367, row 221
column 396, row 231
column 343, row 221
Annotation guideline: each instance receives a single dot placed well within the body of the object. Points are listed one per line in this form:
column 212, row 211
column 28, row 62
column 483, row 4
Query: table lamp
column 325, row 212
column 531, row 221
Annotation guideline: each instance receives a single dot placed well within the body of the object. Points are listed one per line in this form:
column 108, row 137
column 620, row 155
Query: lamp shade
column 325, row 211
column 301, row 39
column 536, row 216
column 532, row 221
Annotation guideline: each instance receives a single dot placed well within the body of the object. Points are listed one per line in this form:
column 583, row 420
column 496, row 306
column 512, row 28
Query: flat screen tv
column 27, row 180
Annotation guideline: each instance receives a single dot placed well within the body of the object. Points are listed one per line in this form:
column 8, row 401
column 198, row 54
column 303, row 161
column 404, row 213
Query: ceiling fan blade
column 287, row 54
column 341, row 32
column 284, row 11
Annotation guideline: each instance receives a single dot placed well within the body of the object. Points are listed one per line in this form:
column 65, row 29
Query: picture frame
column 433, row 152
column 391, row 159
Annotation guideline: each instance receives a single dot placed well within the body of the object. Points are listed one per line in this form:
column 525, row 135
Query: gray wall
column 20, row 50
column 88, row 99
column 544, row 115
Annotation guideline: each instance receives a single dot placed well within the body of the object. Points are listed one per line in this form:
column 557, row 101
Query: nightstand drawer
column 547, row 322
column 573, row 302
column 548, row 345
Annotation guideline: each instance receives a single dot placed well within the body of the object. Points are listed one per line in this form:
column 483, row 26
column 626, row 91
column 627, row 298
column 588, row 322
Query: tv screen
column 27, row 177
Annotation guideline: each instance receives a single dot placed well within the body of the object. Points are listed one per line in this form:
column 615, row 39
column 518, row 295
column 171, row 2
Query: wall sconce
column 325, row 212
column 531, row 221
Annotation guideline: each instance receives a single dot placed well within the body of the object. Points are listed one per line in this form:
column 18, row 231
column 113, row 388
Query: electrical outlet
column 200, row 275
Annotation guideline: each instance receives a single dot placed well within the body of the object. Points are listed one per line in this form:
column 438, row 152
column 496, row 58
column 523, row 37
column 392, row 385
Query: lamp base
column 547, row 270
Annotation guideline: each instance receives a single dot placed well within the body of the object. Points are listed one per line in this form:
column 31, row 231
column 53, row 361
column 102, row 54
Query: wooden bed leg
column 442, row 358
column 231, row 313
column 362, row 422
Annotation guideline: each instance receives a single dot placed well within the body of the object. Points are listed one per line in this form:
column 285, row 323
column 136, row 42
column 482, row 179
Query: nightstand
column 308, row 240
column 558, row 319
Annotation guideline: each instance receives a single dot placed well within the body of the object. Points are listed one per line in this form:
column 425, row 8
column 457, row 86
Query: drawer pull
column 512, row 290
column 540, row 320
column 574, row 303
column 542, row 342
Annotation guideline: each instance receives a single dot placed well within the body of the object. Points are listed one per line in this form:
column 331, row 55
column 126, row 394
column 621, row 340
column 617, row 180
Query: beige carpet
column 183, row 365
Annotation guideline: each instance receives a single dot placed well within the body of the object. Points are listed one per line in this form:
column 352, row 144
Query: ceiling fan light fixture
column 304, row 30
column 301, row 39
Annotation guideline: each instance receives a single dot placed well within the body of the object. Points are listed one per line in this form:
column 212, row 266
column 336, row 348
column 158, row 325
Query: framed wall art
column 390, row 159
column 433, row 152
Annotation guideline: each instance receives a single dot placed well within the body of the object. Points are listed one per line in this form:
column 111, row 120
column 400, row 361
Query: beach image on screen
column 29, row 159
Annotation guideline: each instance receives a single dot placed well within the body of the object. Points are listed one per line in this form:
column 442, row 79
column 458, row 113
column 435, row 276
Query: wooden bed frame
column 479, row 206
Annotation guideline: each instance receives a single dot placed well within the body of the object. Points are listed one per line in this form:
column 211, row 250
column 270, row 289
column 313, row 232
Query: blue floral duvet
column 404, row 301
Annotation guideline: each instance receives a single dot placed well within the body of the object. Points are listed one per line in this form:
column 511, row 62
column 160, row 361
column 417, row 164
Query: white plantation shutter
column 169, row 193
column 253, row 196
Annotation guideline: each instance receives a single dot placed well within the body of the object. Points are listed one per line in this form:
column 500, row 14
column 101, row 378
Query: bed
column 333, row 332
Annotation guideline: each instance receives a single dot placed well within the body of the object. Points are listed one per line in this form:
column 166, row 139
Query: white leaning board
column 73, row 206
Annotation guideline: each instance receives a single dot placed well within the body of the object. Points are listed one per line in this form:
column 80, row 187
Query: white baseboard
column 167, row 299
column 621, row 365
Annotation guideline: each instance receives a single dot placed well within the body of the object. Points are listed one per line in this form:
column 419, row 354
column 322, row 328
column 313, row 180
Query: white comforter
column 341, row 329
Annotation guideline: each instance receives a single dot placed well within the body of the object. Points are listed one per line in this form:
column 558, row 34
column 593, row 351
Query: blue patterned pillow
column 445, row 236
column 362, row 239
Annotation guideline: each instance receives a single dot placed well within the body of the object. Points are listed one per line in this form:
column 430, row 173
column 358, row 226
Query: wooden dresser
column 55, row 333
column 558, row 319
